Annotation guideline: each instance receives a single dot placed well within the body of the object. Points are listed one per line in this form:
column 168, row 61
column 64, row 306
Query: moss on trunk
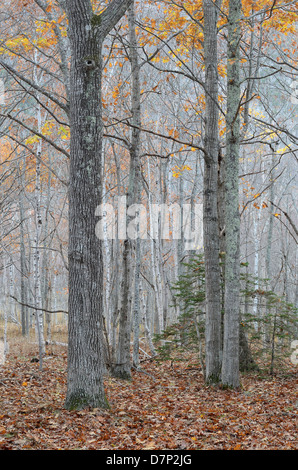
column 79, row 400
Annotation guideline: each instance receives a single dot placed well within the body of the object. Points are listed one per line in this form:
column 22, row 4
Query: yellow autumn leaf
column 32, row 140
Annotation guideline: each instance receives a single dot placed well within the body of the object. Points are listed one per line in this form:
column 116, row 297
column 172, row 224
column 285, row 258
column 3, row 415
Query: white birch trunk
column 38, row 230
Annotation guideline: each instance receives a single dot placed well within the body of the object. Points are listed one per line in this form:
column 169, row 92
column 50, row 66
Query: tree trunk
column 246, row 360
column 85, row 348
column 230, row 363
column 130, row 278
column 210, row 211
column 36, row 264
column 23, row 264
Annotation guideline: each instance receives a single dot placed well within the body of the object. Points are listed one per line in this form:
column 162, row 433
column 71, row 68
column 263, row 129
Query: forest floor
column 168, row 407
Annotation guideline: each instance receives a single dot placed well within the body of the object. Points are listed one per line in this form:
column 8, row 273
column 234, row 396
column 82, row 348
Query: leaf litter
column 169, row 407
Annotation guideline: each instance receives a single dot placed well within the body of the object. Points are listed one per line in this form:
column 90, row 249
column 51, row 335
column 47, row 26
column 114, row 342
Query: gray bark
column 130, row 279
column 136, row 113
column 230, row 362
column 23, row 264
column 210, row 210
column 85, row 351
column 37, row 271
column 36, row 256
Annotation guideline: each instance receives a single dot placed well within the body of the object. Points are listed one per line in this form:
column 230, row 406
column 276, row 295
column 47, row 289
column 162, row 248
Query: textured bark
column 37, row 240
column 122, row 367
column 23, row 264
column 85, row 351
column 130, row 279
column 246, row 360
column 155, row 266
column 210, row 215
column 117, row 273
column 45, row 272
column 36, row 265
column 230, row 362
column 136, row 115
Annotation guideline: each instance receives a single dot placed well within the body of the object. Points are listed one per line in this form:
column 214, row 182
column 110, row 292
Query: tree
column 211, row 226
column 130, row 280
column 230, row 364
column 174, row 96
column 87, row 32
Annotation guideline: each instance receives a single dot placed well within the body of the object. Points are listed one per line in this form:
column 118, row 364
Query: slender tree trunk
column 123, row 366
column 46, row 256
column 230, row 363
column 155, row 266
column 136, row 307
column 145, row 301
column 39, row 317
column 36, row 264
column 108, row 262
column 256, row 222
column 266, row 335
column 246, row 360
column 85, row 344
column 23, row 264
column 210, row 210
column 117, row 274
column 12, row 305
column 135, row 152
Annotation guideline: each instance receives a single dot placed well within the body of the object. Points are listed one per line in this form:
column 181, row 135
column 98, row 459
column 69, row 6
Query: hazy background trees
column 157, row 104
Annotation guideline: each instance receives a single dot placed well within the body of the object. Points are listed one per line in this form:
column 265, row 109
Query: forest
column 148, row 227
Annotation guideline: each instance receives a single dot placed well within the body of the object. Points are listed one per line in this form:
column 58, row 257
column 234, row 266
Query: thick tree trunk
column 85, row 351
column 210, row 214
column 230, row 364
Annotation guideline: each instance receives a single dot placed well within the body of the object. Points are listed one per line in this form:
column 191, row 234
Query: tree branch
column 12, row 71
column 35, row 308
column 112, row 14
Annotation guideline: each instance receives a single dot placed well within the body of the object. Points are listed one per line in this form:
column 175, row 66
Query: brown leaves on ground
column 168, row 407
